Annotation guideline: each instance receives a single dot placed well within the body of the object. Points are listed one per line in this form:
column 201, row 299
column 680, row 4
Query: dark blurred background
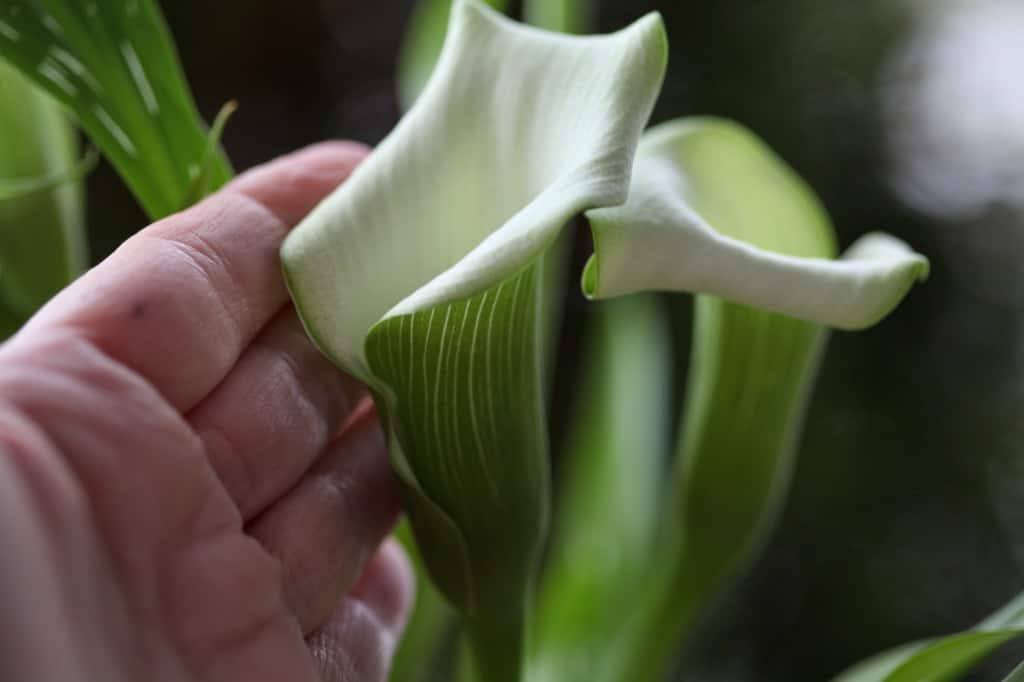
column 905, row 518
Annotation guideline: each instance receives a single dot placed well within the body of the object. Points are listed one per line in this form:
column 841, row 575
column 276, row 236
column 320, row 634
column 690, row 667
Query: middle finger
column 273, row 415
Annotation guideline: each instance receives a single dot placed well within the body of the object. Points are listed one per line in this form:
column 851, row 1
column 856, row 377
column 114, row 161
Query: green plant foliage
column 451, row 341
column 42, row 222
column 204, row 181
column 607, row 507
column 113, row 64
column 9, row 323
column 943, row 659
column 712, row 209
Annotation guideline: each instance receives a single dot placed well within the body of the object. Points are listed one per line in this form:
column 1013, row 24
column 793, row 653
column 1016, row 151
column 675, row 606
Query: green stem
column 666, row 613
column 751, row 373
column 496, row 645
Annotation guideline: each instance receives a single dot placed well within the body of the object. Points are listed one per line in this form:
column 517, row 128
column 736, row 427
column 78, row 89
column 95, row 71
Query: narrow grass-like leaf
column 697, row 176
column 421, row 275
column 15, row 188
column 203, row 179
column 943, row 659
column 712, row 210
column 113, row 64
column 421, row 48
column 607, row 507
column 42, row 222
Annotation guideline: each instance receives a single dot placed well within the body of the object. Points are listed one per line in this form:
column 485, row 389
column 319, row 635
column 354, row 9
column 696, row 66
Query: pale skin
column 189, row 491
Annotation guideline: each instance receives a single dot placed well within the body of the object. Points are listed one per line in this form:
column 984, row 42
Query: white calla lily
column 672, row 234
column 423, row 276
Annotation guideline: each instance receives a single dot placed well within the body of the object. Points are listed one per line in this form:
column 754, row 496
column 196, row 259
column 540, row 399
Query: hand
column 188, row 489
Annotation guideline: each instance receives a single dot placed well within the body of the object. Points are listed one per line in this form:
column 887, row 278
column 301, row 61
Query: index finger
column 181, row 300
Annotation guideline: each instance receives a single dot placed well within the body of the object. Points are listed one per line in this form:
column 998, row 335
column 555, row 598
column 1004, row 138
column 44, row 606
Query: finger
column 326, row 529
column 387, row 586
column 358, row 640
column 273, row 415
column 120, row 442
column 179, row 301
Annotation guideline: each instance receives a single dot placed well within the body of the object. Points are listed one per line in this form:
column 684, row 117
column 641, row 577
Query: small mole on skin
column 139, row 309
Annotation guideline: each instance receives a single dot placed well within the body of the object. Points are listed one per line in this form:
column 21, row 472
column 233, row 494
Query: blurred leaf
column 42, row 224
column 567, row 16
column 421, row 47
column 712, row 209
column 418, row 657
column 946, row 658
column 604, row 541
column 451, row 341
column 113, row 64
column 16, row 188
column 9, row 322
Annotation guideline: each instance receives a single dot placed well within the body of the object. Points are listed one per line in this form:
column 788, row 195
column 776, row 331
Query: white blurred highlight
column 954, row 100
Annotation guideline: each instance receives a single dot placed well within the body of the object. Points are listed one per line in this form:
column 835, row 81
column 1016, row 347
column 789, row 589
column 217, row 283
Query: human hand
column 188, row 489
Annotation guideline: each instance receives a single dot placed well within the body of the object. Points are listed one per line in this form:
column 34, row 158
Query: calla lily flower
column 713, row 211
column 423, row 275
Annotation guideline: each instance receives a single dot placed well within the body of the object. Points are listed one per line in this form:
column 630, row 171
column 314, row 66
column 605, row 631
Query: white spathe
column 517, row 131
column 712, row 210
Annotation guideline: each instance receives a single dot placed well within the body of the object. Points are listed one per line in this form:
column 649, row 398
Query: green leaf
column 203, row 180
column 697, row 177
column 608, row 505
column 113, row 64
column 42, row 215
column 943, row 659
column 712, row 210
column 424, row 37
column 9, row 322
column 422, row 275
